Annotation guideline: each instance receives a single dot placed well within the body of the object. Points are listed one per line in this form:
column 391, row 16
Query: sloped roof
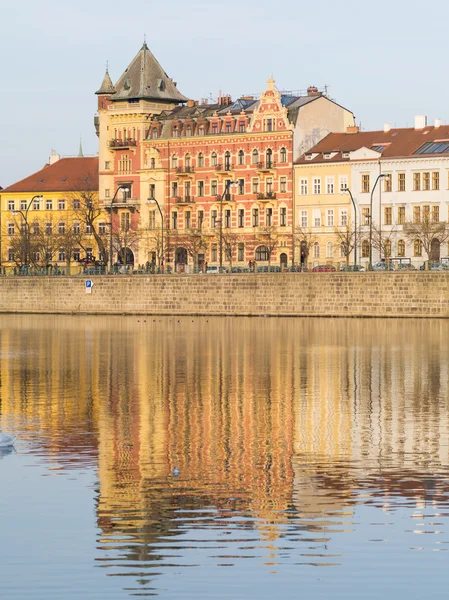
column 145, row 78
column 396, row 143
column 106, row 87
column 65, row 175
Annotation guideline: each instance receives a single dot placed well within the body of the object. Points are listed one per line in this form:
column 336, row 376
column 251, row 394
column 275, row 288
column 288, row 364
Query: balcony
column 182, row 171
column 224, row 168
column 266, row 196
column 131, row 204
column 266, row 166
column 184, row 199
column 119, row 144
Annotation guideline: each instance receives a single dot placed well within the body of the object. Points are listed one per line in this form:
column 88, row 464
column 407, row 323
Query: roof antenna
column 144, row 39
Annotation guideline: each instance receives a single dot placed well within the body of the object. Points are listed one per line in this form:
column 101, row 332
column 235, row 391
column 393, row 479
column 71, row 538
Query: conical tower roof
column 145, row 78
column 106, row 86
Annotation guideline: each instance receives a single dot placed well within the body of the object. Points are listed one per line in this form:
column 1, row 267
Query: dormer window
column 154, row 134
column 309, row 156
column 345, row 154
column 201, row 130
column 175, row 131
column 188, row 131
column 214, row 127
column 242, row 126
column 327, row 155
column 228, row 127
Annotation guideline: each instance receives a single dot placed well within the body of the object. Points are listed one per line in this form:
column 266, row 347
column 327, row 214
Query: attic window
column 41, row 180
column 327, row 155
column 160, row 85
column 345, row 154
column 309, row 156
column 378, row 148
column 127, row 84
column 64, row 179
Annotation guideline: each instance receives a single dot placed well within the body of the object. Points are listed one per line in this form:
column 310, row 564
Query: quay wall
column 408, row 294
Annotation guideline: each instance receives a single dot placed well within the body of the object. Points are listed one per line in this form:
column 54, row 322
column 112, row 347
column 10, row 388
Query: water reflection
column 281, row 429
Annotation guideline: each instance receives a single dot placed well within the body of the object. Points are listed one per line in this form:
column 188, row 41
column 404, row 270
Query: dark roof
column 106, row 86
column 65, row 175
column 395, row 143
column 145, row 78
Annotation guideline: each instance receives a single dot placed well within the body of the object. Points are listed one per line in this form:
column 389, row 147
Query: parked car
column 324, row 269
column 353, row 268
column 435, row 266
column 382, row 266
column 406, row 267
column 215, row 269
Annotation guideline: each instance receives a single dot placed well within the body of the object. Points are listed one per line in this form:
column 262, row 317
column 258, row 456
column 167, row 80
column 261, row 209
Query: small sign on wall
column 89, row 286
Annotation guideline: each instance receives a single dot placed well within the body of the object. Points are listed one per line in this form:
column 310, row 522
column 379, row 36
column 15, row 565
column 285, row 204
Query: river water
column 313, row 458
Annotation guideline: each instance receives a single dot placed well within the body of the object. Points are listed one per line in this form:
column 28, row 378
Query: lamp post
column 226, row 190
column 154, row 201
column 371, row 223
column 346, row 189
column 125, row 189
column 24, row 215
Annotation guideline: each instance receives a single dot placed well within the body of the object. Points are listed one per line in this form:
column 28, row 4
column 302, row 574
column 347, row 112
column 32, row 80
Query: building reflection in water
column 279, row 427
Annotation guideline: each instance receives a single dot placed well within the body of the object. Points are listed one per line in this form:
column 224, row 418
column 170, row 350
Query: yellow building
column 324, row 216
column 52, row 219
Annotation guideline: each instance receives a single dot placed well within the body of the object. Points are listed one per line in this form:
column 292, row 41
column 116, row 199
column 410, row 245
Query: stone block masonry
column 411, row 294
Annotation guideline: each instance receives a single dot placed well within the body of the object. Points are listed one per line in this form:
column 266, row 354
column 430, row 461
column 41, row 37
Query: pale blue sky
column 384, row 60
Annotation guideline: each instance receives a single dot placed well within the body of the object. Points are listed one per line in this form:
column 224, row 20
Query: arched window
column 201, row 159
column 387, row 249
column 175, row 131
column 262, row 253
column 401, row 248
column 201, row 130
column 365, row 249
column 255, row 157
column 153, row 163
column 329, row 250
column 417, row 247
column 187, row 161
column 283, row 155
column 213, row 159
column 227, row 160
column 174, row 162
column 316, row 250
column 269, row 157
column 241, row 157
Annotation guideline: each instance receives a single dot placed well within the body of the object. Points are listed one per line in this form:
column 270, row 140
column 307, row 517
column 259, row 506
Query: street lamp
column 154, row 201
column 346, row 189
column 24, row 215
column 229, row 183
column 125, row 189
column 371, row 222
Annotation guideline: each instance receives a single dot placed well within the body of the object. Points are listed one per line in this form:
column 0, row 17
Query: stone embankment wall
column 412, row 294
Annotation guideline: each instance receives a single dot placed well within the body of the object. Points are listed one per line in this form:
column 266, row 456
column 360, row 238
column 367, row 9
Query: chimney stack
column 54, row 157
column 420, row 121
column 312, row 90
column 352, row 129
column 387, row 127
column 437, row 123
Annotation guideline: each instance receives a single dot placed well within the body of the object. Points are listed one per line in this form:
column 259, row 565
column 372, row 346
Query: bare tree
column 45, row 241
column 306, row 239
column 428, row 233
column 269, row 236
column 124, row 238
column 383, row 242
column 347, row 238
column 231, row 241
column 194, row 242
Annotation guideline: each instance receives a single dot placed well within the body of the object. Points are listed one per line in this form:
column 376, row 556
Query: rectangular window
column 343, row 217
column 213, row 254
column 269, row 185
column 343, row 183
column 48, row 228
column 174, row 189
column 61, row 255
column 36, row 205
column 213, row 188
column 316, row 218
column 330, row 217
column 387, row 183
column 76, row 254
column 61, row 204
column 436, row 214
column 388, row 216
column 241, row 186
column 227, row 220
column 187, row 219
column 174, row 220
column 200, row 189
column 255, row 186
column 23, row 205
column 255, row 217
column 303, row 187
column 215, row 128
column 365, row 216
column 365, row 184
column 76, row 204
column 10, row 254
column 317, row 185
column 426, row 181
column 102, row 228
column 329, row 185
column 124, row 221
column 283, row 185
column 76, row 228
column 416, row 214
column 61, row 228
column 401, row 215
column 304, row 218
column 269, row 217
column 213, row 219
column 152, row 219
column 228, row 128
column 426, row 213
column 88, row 229
column 200, row 218
column 436, row 180
column 107, row 165
column 401, row 182
column 151, row 191
column 241, row 217
column 242, row 126
column 11, row 228
column 11, row 205
column 89, row 253
column 283, row 217
column 49, row 204
column 241, row 252
column 416, row 182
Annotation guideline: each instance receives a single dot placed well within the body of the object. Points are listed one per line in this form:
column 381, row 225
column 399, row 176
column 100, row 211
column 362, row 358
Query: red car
column 324, row 269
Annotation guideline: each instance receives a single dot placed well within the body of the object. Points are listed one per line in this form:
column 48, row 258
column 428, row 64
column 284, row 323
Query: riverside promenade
column 407, row 294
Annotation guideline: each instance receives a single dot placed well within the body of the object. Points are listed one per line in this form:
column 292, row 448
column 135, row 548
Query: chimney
column 224, row 100
column 420, row 121
column 312, row 90
column 190, row 103
column 54, row 157
column 352, row 129
column 437, row 123
column 387, row 127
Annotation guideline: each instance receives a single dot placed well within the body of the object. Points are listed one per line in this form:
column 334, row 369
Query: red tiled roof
column 65, row 175
column 398, row 143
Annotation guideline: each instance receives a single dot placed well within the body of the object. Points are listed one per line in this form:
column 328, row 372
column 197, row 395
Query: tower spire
column 80, row 153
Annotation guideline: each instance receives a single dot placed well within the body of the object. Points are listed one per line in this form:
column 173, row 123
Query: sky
column 385, row 61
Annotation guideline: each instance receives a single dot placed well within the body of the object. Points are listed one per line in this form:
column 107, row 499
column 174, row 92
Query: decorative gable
column 270, row 115
column 365, row 154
